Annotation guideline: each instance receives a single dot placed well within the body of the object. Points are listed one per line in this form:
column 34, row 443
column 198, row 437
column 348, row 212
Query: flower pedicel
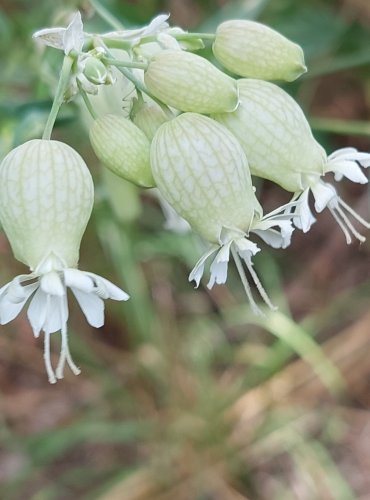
column 46, row 197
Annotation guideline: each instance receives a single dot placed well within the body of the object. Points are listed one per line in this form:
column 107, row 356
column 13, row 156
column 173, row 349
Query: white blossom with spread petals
column 46, row 198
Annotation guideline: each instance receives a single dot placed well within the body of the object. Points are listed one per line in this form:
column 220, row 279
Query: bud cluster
column 197, row 134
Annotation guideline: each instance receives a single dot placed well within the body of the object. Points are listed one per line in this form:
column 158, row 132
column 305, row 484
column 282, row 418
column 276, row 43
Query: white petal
column 51, row 284
column 37, row 312
column 246, row 248
column 342, row 152
column 275, row 237
column 4, row 288
column 52, row 37
column 349, row 169
column 303, row 218
column 323, row 194
column 157, row 24
column 92, row 306
column 73, row 37
column 55, row 314
column 13, row 298
column 198, row 270
column 78, row 279
column 219, row 266
column 107, row 290
column 350, row 154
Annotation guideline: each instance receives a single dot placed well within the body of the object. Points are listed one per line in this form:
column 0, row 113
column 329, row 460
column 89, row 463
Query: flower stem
column 59, row 95
column 257, row 311
column 189, row 36
column 106, row 15
column 181, row 36
column 140, row 86
column 87, row 102
column 124, row 64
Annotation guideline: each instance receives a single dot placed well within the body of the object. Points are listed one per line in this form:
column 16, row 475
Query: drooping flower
column 46, row 198
column 251, row 49
column 202, row 171
column 277, row 139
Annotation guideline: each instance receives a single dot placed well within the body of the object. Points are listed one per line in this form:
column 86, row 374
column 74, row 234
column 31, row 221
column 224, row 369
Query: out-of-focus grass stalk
column 344, row 127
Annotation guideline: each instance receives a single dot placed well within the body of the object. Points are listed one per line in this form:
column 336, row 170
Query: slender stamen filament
column 259, row 286
column 245, row 282
column 350, row 226
column 354, row 213
column 49, row 368
column 336, row 207
column 65, row 355
column 341, row 225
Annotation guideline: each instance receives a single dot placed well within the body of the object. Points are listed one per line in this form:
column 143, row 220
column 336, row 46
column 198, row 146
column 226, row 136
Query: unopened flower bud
column 189, row 82
column 123, row 148
column 254, row 50
column 95, row 71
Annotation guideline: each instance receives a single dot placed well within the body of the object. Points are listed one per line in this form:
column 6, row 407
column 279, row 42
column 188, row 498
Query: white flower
column 88, row 71
column 48, row 309
column 156, row 26
column 278, row 142
column 67, row 39
column 203, row 173
column 46, row 197
column 326, row 196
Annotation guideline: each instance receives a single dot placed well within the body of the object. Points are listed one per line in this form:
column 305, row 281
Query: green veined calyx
column 123, row 148
column 251, row 49
column 189, row 82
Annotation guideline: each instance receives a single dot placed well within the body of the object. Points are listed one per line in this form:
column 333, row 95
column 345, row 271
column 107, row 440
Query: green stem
column 113, row 43
column 59, row 95
column 341, row 126
column 189, row 36
column 124, row 64
column 181, row 36
column 106, row 15
column 140, row 86
column 87, row 102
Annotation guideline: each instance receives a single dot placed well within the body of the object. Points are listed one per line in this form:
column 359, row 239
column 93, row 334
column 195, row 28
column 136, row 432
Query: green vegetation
column 184, row 394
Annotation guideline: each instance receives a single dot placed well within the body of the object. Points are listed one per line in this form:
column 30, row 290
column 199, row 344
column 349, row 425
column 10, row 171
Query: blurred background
column 184, row 394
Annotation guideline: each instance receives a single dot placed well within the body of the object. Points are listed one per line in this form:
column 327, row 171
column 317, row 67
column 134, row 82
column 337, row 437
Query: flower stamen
column 47, row 361
column 256, row 310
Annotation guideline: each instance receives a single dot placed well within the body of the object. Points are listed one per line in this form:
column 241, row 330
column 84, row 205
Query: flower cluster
column 191, row 131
